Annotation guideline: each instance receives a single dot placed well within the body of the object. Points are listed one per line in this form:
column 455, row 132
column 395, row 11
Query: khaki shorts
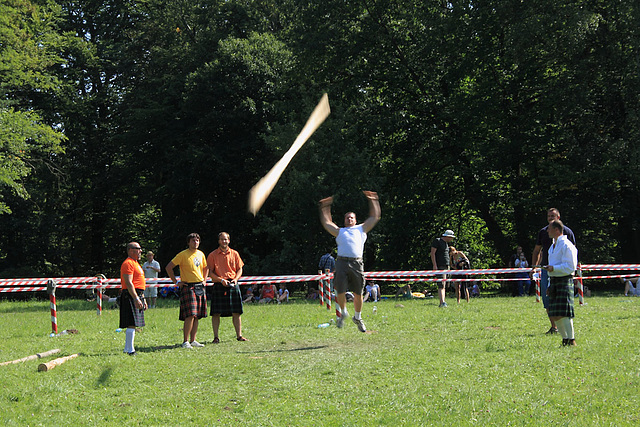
column 151, row 292
column 349, row 275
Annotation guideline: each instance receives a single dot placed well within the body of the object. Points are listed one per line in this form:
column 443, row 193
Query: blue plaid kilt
column 225, row 300
column 193, row 301
column 561, row 297
column 129, row 314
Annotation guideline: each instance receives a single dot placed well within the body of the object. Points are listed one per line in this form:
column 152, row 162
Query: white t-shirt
column 350, row 241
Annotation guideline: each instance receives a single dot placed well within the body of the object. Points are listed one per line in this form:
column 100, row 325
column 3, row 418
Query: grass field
column 484, row 363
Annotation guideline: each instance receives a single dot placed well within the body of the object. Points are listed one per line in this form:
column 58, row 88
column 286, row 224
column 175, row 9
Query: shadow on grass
column 316, row 347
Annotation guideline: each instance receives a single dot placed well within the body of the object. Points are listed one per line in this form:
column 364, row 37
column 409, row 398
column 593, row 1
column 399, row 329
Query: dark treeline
column 147, row 120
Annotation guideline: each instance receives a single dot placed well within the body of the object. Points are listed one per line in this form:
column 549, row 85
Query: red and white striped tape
column 39, row 284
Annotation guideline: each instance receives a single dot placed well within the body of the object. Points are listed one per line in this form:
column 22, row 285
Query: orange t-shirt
column 131, row 266
column 225, row 264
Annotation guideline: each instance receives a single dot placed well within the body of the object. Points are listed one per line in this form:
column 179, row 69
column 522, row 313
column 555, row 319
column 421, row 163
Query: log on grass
column 55, row 362
column 32, row 357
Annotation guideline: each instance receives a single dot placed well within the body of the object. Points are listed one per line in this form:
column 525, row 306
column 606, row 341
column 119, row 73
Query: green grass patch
column 484, row 363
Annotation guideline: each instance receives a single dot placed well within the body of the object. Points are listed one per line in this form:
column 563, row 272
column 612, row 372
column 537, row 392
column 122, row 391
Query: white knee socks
column 565, row 327
column 128, row 343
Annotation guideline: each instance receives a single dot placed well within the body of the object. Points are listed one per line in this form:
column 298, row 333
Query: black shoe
column 133, row 353
column 551, row 331
column 565, row 342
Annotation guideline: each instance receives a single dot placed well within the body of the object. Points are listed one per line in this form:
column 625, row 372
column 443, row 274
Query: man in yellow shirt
column 193, row 300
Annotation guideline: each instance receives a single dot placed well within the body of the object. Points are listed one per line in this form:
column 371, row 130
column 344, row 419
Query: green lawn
column 484, row 363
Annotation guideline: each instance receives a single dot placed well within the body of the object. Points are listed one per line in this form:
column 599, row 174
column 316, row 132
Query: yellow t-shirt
column 192, row 265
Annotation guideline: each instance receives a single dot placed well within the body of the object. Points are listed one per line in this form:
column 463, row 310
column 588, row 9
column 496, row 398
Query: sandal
column 241, row 338
column 216, row 340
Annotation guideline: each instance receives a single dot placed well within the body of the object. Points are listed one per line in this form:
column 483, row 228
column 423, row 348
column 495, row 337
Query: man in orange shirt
column 225, row 269
column 132, row 303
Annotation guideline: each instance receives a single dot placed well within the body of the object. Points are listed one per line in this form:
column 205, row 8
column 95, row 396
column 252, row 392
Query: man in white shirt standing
column 151, row 269
column 349, row 272
column 563, row 261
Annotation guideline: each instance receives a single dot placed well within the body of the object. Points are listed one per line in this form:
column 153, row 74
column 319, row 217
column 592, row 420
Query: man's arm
column 153, row 266
column 374, row 211
column 169, row 268
column 238, row 275
column 535, row 258
column 325, row 216
column 128, row 281
column 433, row 258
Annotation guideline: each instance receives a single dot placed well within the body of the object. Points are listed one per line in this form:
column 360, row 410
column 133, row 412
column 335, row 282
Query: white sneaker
column 360, row 324
column 339, row 321
column 196, row 344
column 186, row 345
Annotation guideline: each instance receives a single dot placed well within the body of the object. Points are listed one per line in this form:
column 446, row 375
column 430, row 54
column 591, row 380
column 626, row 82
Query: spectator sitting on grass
column 248, row 295
column 631, row 286
column 283, row 294
column 372, row 292
column 404, row 290
column 268, row 293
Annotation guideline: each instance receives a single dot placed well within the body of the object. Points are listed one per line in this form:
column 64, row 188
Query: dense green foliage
column 484, row 363
column 475, row 116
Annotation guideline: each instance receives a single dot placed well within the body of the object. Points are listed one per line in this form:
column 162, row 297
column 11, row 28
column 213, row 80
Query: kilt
column 193, row 301
column 561, row 297
column 225, row 300
column 129, row 314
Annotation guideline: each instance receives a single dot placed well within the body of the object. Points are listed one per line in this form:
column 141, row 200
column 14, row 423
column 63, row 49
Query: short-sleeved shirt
column 327, row 262
column 131, row 267
column 192, row 265
column 545, row 241
column 225, row 264
column 149, row 272
column 442, row 252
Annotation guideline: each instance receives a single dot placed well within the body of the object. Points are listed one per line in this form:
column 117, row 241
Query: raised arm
column 325, row 216
column 374, row 211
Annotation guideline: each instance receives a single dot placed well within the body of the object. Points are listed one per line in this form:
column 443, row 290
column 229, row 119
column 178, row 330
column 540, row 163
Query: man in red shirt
column 132, row 303
column 225, row 269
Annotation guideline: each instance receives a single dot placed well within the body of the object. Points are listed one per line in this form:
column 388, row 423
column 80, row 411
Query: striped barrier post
column 580, row 287
column 51, row 290
column 536, row 279
column 327, row 290
column 320, row 289
column 99, row 296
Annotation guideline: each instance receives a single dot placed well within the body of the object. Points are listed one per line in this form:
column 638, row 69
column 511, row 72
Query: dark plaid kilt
column 129, row 314
column 225, row 301
column 193, row 301
column 561, row 297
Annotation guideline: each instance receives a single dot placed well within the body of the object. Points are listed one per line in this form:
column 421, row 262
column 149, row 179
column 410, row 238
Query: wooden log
column 32, row 357
column 55, row 362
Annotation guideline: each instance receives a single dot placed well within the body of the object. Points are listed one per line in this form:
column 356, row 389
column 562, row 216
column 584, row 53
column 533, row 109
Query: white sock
column 128, row 343
column 568, row 325
column 561, row 329
column 345, row 313
column 357, row 315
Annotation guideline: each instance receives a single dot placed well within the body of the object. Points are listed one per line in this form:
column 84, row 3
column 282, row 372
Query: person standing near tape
column 349, row 273
column 151, row 269
column 225, row 269
column 441, row 260
column 193, row 299
column 541, row 257
column 563, row 261
column 132, row 303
